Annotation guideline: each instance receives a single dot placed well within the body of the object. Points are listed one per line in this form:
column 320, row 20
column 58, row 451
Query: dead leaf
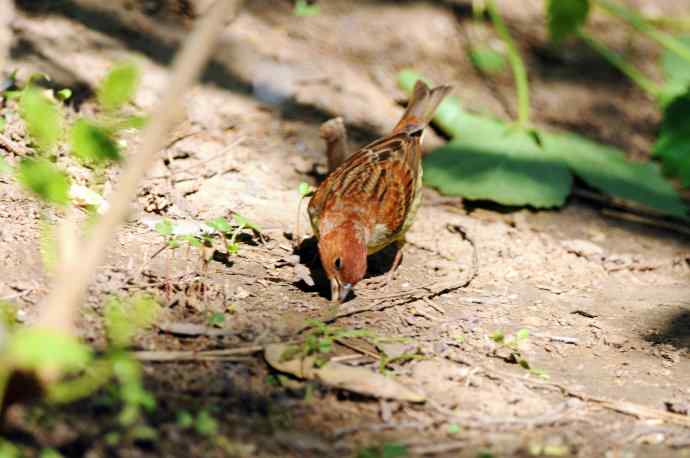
column 356, row 379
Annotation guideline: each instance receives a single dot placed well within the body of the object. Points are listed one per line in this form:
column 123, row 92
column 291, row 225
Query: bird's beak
column 339, row 292
column 344, row 291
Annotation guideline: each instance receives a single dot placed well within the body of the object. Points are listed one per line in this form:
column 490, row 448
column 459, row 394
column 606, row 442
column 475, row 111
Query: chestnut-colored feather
column 370, row 200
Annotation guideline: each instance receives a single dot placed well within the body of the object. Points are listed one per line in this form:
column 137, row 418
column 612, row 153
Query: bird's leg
column 399, row 244
column 335, row 135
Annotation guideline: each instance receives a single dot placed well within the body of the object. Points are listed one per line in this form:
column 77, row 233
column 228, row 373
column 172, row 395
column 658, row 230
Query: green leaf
column 8, row 314
column 9, row 450
column 216, row 319
column 184, row 419
column 164, row 227
column 521, row 335
column 483, row 162
column 91, row 142
column 673, row 144
column 497, row 337
column 42, row 117
column 490, row 164
column 124, row 317
column 50, row 453
column 676, row 71
column 132, row 122
column 206, row 425
column 192, row 240
column 605, row 168
column 233, row 247
column 306, row 8
column 453, row 428
column 487, row 59
column 36, row 348
column 387, row 450
column 565, row 17
column 305, row 190
column 242, row 221
column 220, row 224
column 63, row 94
column 3, row 124
column 45, row 180
column 119, row 86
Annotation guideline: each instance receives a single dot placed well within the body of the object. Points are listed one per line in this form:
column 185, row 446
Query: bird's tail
column 421, row 107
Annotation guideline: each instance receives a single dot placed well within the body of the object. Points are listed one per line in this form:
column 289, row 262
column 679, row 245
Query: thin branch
column 230, row 354
column 518, row 66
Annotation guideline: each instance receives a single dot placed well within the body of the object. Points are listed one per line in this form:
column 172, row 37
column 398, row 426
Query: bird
column 369, row 201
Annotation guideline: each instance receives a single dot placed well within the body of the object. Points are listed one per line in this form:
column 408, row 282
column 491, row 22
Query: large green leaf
column 42, row 117
column 488, row 160
column 564, row 17
column 491, row 162
column 605, row 168
column 673, row 144
column 44, row 179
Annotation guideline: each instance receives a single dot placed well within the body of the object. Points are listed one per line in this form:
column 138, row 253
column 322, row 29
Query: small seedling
column 305, row 190
column 306, row 8
column 205, row 424
column 385, row 360
column 216, row 320
column 319, row 342
column 513, row 343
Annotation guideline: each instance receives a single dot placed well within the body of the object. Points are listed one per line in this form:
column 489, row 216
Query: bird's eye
column 338, row 264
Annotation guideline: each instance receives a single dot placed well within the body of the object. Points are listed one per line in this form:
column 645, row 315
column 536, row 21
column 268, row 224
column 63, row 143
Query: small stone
column 241, row 293
column 396, row 349
column 615, row 340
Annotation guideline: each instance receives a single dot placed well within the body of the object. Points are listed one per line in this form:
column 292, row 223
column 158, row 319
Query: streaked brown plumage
column 370, row 200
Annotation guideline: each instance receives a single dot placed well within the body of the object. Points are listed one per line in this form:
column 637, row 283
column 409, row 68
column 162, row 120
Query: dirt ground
column 606, row 300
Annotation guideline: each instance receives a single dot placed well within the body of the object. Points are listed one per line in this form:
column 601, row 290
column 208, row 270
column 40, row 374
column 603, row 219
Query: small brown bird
column 369, row 201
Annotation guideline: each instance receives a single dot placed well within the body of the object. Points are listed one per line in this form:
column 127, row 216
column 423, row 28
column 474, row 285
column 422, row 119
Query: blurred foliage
column 45, row 180
column 306, row 8
column 488, row 159
column 42, row 117
column 37, row 350
column 517, row 164
column 487, row 60
column 92, row 142
column 119, row 86
column 386, row 450
column 565, row 17
column 125, row 317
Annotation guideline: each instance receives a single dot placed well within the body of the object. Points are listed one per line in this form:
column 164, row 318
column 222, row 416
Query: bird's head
column 343, row 252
